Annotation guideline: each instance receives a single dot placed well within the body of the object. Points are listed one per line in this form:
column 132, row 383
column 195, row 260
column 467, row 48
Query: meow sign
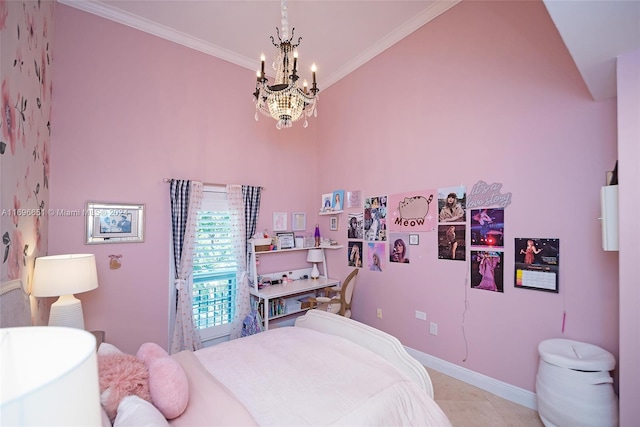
column 414, row 211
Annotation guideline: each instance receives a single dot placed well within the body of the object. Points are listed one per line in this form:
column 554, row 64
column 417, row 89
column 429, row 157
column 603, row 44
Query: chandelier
column 285, row 101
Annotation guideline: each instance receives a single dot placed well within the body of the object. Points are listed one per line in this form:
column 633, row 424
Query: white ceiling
column 341, row 35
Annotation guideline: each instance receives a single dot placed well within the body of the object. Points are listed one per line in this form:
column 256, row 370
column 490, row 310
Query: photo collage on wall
column 487, row 249
column 355, row 230
column 375, row 230
column 391, row 223
column 368, row 225
column 452, row 220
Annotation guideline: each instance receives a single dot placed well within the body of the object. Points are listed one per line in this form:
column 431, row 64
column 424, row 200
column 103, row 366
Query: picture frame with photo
column 114, row 223
column 326, row 204
column 337, row 200
column 333, row 225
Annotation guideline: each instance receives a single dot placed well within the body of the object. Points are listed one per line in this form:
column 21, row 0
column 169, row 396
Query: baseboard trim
column 506, row 391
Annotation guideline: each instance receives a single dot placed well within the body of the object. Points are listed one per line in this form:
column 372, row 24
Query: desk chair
column 338, row 298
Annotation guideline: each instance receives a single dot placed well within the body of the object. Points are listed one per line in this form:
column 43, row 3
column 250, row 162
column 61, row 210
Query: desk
column 290, row 289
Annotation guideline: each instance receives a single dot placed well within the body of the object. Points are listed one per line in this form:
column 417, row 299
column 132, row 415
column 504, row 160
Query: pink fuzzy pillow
column 121, row 375
column 168, row 383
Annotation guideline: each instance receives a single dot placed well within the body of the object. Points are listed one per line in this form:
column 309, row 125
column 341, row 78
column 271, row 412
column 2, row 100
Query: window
column 214, row 267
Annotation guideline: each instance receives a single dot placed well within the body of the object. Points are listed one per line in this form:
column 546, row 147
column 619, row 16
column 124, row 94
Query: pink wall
column 629, row 155
column 485, row 92
column 131, row 109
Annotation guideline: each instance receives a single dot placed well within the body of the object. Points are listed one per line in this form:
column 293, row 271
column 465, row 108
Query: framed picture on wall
column 114, row 223
column 298, row 221
column 279, row 221
column 334, row 223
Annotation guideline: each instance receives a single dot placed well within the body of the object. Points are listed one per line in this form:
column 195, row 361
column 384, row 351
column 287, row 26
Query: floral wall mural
column 25, row 71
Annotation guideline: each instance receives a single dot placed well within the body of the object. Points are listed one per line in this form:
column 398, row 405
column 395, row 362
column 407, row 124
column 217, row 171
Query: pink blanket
column 210, row 402
column 297, row 376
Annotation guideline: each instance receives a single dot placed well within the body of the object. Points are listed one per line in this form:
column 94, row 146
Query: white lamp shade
column 64, row 275
column 49, row 377
column 314, row 255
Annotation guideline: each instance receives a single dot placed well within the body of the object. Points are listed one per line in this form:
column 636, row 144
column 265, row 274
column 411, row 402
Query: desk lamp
column 63, row 276
column 315, row 256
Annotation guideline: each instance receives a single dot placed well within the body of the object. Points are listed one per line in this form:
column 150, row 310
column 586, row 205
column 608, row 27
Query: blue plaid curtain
column 251, row 201
column 179, row 194
column 186, row 198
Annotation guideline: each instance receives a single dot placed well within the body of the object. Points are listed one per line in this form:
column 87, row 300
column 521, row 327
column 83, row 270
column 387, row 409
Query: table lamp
column 315, row 256
column 49, row 377
column 63, row 276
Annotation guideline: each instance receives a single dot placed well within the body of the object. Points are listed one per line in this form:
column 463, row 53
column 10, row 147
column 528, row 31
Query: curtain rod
column 166, row 180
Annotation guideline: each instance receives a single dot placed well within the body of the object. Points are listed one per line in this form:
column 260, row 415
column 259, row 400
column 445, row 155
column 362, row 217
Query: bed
column 326, row 370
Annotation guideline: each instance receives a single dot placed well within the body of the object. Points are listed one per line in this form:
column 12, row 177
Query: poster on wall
column 338, row 200
column 487, row 227
column 486, row 270
column 537, row 263
column 354, row 254
column 413, row 212
column 354, row 199
column 451, row 204
column 399, row 248
column 451, row 242
column 375, row 218
column 376, row 256
column 356, row 224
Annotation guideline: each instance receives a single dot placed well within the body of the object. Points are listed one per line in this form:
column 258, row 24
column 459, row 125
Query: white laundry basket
column 573, row 385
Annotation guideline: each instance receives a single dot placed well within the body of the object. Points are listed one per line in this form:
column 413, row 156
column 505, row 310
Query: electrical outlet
column 433, row 328
column 379, row 312
column 421, row 315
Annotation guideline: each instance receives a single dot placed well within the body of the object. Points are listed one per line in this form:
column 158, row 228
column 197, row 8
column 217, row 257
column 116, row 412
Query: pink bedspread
column 297, row 376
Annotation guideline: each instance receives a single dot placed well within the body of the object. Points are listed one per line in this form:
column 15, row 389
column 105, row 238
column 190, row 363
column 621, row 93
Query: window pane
column 214, row 271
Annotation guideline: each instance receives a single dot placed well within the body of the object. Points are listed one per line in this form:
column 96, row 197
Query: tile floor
column 469, row 406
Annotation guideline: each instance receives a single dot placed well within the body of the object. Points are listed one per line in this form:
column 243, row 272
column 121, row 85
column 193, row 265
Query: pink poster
column 411, row 212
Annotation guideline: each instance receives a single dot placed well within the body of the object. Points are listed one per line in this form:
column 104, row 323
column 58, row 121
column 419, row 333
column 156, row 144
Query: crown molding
column 159, row 30
column 125, row 18
column 436, row 9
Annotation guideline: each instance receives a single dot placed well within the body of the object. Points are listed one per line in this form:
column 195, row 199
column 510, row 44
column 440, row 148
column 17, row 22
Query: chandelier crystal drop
column 285, row 101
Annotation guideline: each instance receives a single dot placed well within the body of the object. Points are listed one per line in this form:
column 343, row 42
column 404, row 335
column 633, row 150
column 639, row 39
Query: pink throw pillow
column 150, row 351
column 168, row 386
column 167, row 381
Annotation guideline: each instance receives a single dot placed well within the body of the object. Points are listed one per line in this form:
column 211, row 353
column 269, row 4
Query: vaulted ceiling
column 339, row 36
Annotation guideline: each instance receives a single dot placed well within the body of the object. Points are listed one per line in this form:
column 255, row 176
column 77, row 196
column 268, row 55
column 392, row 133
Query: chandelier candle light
column 285, row 101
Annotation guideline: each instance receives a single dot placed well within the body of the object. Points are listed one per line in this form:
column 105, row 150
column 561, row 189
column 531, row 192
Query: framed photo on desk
column 286, row 240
